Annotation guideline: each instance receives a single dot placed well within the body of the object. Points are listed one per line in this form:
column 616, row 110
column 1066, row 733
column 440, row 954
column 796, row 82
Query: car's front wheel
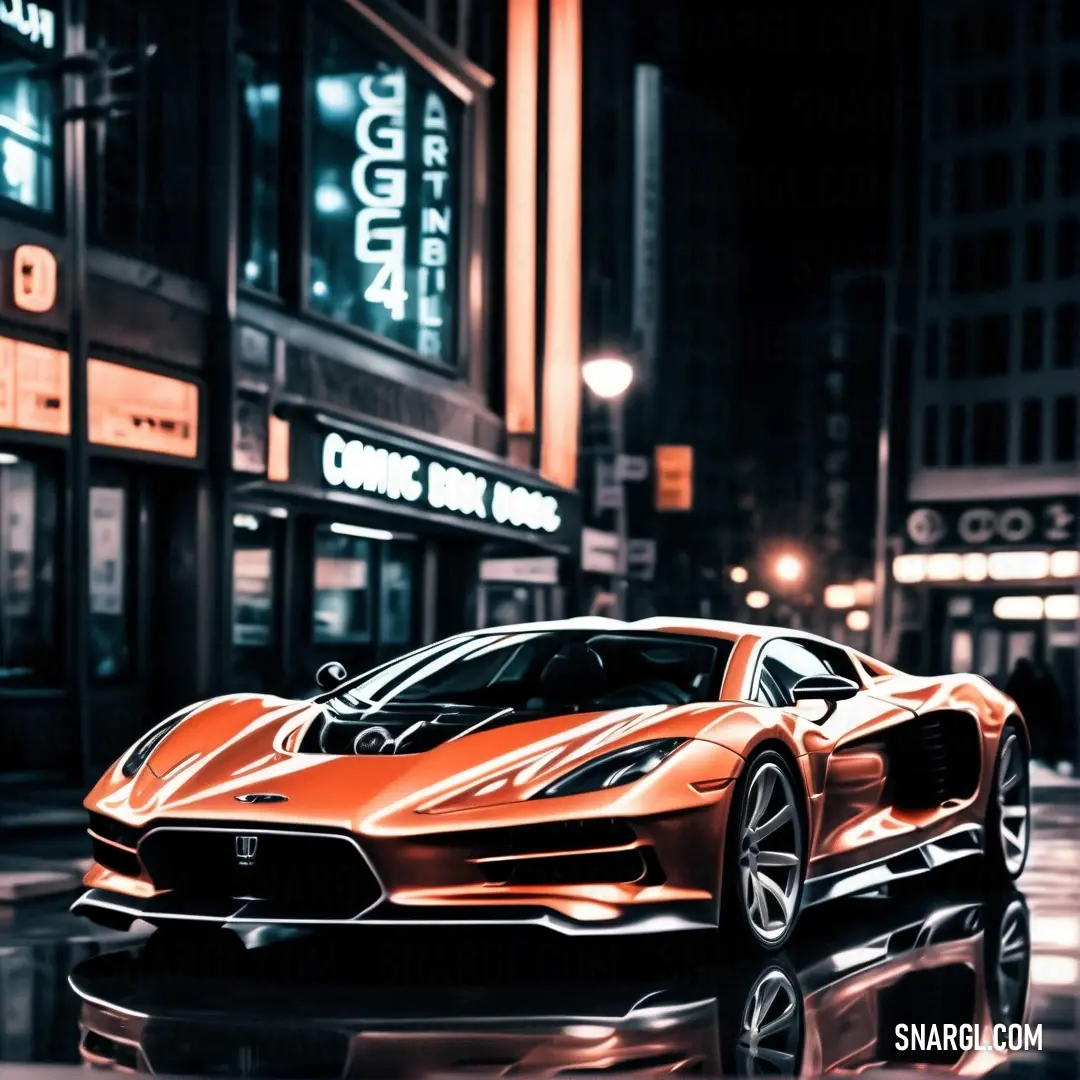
column 1008, row 816
column 765, row 858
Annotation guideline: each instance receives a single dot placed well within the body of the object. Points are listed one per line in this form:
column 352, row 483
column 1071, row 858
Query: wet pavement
column 428, row 1004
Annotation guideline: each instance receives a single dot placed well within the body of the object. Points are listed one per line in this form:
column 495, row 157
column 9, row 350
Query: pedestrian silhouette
column 1049, row 707
column 1023, row 688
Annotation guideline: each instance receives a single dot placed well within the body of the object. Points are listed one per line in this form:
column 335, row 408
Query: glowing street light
column 789, row 568
column 608, row 377
column 858, row 620
column 757, row 599
column 739, row 574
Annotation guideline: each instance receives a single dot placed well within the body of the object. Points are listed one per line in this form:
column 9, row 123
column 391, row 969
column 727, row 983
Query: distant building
column 991, row 564
column 659, row 281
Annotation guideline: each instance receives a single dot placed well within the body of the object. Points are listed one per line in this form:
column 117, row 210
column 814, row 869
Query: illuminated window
column 146, row 184
column 258, row 63
column 386, row 157
column 342, row 604
column 110, row 649
column 253, row 581
column 31, row 642
column 27, row 105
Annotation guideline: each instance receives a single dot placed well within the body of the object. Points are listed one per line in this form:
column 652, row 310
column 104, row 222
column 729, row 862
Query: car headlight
column 138, row 754
column 614, row 769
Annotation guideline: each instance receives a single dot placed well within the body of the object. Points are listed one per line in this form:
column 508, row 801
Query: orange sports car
column 590, row 775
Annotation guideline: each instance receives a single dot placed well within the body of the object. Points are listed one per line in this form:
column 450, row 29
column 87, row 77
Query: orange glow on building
column 522, row 95
column 562, row 323
column 34, row 388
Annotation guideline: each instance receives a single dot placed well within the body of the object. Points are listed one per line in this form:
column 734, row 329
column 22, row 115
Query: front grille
column 305, row 874
column 114, row 858
column 116, row 831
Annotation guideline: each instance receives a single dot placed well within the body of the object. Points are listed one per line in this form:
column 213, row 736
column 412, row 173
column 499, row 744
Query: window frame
column 394, row 30
column 819, row 650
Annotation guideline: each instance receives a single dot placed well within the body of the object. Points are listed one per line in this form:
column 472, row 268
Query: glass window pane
column 395, row 599
column 990, row 435
column 31, row 646
column 1065, row 429
column 253, row 582
column 386, row 155
column 1031, row 431
column 259, row 67
column 110, row 652
column 342, row 608
column 26, row 120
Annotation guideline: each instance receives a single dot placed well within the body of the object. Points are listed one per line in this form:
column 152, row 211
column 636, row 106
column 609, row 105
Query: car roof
column 664, row 625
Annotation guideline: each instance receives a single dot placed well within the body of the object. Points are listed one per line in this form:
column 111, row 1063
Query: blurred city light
column 1063, row 608
column 838, row 597
column 360, row 531
column 789, row 568
column 864, row 592
column 1065, row 564
column 757, row 599
column 858, row 620
column 739, row 574
column 9, row 459
column 608, row 376
column 1019, row 565
column 1027, row 608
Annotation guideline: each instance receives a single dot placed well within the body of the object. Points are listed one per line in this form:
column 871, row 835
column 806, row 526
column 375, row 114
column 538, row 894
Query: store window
column 27, row 107
column 146, row 181
column 259, row 66
column 31, row 645
column 253, row 582
column 395, row 598
column 386, row 156
column 342, row 600
column 110, row 647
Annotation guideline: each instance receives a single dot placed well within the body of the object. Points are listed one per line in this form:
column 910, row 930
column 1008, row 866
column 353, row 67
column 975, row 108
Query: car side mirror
column 827, row 688
column 331, row 675
column 831, row 688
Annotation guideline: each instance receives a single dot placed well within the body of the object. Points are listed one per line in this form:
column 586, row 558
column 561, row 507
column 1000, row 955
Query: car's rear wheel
column 765, row 859
column 1008, row 817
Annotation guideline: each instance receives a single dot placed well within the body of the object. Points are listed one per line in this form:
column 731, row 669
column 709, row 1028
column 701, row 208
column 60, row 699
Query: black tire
column 1009, row 794
column 741, row 921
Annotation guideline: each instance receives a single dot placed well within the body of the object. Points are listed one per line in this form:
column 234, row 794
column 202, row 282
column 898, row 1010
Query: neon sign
column 29, row 20
column 400, row 476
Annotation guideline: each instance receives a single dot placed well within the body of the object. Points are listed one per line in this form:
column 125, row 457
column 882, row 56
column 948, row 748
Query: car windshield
column 547, row 669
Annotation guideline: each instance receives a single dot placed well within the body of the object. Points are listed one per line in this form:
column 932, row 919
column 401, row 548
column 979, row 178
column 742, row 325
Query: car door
column 853, row 817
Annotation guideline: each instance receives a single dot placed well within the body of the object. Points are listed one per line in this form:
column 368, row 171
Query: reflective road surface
column 426, row 1005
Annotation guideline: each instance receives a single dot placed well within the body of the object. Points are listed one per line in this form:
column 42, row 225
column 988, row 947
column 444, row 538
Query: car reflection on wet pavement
column 420, row 1005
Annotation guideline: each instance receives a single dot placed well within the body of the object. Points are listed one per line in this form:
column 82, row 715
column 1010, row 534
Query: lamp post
column 91, row 97
column 609, row 377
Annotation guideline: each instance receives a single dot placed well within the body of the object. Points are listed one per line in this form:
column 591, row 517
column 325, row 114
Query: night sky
column 810, row 92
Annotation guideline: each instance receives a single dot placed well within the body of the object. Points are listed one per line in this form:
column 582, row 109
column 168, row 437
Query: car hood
column 248, row 744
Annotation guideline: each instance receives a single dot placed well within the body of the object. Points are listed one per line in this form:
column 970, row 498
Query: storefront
column 369, row 542
column 987, row 585
column 146, row 415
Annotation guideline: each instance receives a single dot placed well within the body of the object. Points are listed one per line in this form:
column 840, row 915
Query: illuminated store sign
column 385, row 165
column 30, row 21
column 1052, row 522
column 435, row 484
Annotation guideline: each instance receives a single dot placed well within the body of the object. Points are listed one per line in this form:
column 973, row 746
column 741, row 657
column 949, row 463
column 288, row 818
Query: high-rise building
column 990, row 567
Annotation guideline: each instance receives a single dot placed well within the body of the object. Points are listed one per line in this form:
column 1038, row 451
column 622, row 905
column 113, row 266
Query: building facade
column 990, row 563
column 294, row 446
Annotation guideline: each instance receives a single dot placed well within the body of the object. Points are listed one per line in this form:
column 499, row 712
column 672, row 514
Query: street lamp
column 609, row 376
column 789, row 569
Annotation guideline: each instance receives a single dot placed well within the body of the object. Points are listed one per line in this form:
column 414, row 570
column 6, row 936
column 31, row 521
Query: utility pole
column 90, row 97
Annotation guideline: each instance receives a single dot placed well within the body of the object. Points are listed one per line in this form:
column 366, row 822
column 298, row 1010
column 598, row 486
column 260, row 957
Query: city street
column 412, row 1005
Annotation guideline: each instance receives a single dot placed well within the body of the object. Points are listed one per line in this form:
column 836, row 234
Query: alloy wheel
column 771, row 850
column 1013, row 803
column 771, row 1030
column 1013, row 962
